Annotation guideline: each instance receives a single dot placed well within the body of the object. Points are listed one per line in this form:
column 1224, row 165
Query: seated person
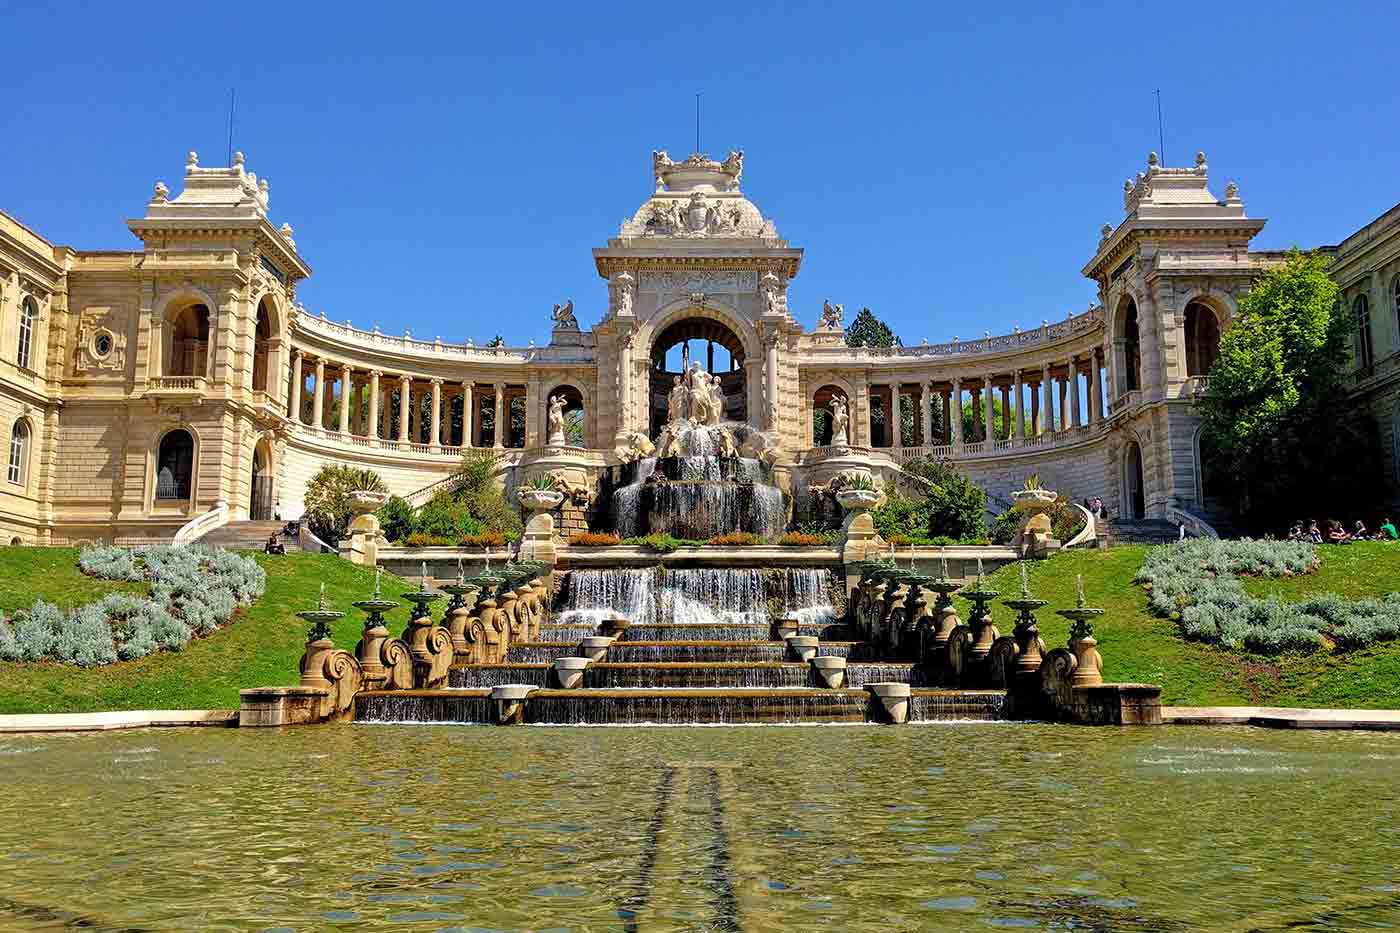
column 1387, row 531
column 1314, row 533
column 1336, row 534
column 1359, row 532
column 274, row 546
column 1296, row 532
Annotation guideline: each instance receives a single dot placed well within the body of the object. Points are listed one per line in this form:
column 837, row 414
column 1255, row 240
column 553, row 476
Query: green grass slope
column 259, row 648
column 1139, row 647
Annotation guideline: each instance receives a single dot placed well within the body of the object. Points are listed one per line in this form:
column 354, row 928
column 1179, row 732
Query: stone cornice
column 1133, row 231
column 612, row 260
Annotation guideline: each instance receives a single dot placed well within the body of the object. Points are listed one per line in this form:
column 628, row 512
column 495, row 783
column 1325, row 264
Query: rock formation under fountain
column 701, row 478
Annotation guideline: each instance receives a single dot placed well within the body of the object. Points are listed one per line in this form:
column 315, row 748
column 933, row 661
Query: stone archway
column 260, row 501
column 1134, row 491
column 697, row 331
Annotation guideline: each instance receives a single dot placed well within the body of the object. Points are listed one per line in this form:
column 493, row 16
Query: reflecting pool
column 937, row 827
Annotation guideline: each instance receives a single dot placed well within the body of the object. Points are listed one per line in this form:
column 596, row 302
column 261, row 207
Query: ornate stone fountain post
column 1088, row 667
column 979, row 621
column 385, row 662
column 491, row 647
column 945, row 614
column 318, row 643
column 430, row 644
column 1029, row 647
column 458, row 615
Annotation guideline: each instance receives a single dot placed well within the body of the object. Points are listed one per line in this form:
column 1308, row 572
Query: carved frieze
column 707, row 281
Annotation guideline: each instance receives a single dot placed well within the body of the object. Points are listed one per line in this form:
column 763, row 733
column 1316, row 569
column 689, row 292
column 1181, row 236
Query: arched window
column 175, row 466
column 189, row 343
column 1202, row 339
column 1132, row 346
column 1361, row 309
column 262, row 333
column 28, row 315
column 575, row 416
column 19, row 452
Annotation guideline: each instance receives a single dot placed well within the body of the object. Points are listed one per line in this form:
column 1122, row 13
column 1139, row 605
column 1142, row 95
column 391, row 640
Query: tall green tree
column 1281, row 439
column 869, row 331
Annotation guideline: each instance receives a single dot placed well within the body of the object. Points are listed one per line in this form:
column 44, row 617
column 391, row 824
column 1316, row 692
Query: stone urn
column 569, row 671
column 831, row 670
column 540, row 500
column 858, row 500
column 893, row 697
column 1034, row 537
column 366, row 501
column 802, row 647
column 364, row 533
column 860, row 540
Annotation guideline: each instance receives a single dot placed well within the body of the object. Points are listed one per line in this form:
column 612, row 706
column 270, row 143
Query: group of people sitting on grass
column 1334, row 532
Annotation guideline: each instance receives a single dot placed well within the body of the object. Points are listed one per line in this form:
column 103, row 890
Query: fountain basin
column 595, row 647
column 894, row 698
column 831, row 669
column 803, row 647
column 569, row 671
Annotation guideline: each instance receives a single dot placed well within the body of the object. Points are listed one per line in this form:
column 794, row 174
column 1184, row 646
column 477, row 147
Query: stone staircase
column 1136, row 531
column 247, row 536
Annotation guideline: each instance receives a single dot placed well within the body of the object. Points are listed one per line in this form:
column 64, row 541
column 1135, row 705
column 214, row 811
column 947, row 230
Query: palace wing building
column 182, row 384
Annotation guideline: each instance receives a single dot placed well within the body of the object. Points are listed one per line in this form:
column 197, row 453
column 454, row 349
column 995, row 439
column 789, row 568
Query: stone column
column 468, row 439
column 1095, row 389
column 1073, row 393
column 926, row 414
column 437, row 413
column 499, row 441
column 404, row 392
column 357, row 418
column 947, row 417
column 955, row 421
column 318, row 400
column 1035, row 408
column 372, row 429
column 295, row 407
column 386, row 414
column 534, row 412
column 344, row 399
column 990, row 433
column 1064, row 405
column 1020, row 430
column 772, row 377
column 896, row 418
column 1047, row 415
column 1005, row 432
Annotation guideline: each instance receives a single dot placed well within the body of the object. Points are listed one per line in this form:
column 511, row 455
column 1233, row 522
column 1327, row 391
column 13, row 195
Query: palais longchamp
column 180, row 381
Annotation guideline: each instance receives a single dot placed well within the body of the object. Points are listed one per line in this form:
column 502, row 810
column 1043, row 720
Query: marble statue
column 556, row 421
column 840, row 419
column 717, row 399
column 832, row 316
column 563, row 316
column 678, row 401
column 637, row 447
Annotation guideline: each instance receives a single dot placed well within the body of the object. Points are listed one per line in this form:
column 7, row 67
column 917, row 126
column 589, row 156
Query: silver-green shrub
column 1197, row 583
column 194, row 590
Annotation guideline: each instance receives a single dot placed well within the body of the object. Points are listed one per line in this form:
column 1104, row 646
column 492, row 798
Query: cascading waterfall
column 661, row 676
column 480, row 676
column 624, row 652
column 729, row 603
column 858, row 675
column 450, row 706
column 954, row 706
column 540, row 654
column 618, row 708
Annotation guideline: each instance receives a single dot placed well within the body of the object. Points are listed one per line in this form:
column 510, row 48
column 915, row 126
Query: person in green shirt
column 1387, row 530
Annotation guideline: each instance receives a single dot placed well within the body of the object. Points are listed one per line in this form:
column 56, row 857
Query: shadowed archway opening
column 715, row 347
column 1202, row 339
column 1135, row 500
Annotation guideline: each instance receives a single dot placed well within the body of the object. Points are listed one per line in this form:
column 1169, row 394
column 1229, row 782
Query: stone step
column 248, row 535
column 675, row 706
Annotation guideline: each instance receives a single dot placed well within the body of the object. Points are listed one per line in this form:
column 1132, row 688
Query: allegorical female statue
column 556, row 421
column 839, row 420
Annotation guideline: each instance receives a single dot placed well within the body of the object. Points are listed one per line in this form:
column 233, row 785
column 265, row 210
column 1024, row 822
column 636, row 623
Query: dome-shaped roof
column 698, row 198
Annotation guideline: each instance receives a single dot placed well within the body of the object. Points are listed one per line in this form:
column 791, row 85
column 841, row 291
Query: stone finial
column 285, row 230
column 1232, row 191
column 1105, row 231
column 162, row 192
column 1200, row 161
column 1153, row 161
column 192, row 160
column 238, row 158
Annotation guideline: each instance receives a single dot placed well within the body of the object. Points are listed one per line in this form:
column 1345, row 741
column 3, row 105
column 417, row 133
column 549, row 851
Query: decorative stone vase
column 569, row 671
column 540, row 500
column 832, row 670
column 803, row 647
column 595, row 647
column 858, row 500
column 365, row 501
column 894, row 698
column 364, row 532
column 510, row 702
column 1088, row 671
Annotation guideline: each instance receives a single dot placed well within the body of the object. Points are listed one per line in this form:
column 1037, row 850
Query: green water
column 939, row 827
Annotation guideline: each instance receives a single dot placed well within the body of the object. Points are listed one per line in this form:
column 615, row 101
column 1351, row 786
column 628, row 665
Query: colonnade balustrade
column 981, row 414
column 373, row 408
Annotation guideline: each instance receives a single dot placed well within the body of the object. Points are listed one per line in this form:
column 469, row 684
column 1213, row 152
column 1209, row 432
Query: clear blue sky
column 449, row 169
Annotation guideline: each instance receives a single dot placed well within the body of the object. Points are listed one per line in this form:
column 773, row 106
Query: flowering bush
column 194, row 590
column 594, row 539
column 1196, row 583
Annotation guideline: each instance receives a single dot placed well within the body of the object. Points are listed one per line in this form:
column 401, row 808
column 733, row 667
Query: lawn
column 1137, row 646
column 260, row 647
